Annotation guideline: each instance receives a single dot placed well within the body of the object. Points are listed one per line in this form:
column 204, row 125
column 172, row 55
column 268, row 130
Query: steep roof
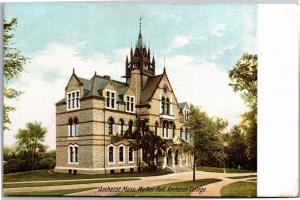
column 150, row 87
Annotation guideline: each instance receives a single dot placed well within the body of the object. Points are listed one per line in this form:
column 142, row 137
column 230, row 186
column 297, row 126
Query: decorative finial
column 73, row 70
column 95, row 73
column 141, row 23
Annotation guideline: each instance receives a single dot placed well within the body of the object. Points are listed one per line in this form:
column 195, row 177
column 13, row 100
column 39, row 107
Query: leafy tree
column 142, row 138
column 206, row 135
column 13, row 66
column 235, row 148
column 30, row 142
column 244, row 80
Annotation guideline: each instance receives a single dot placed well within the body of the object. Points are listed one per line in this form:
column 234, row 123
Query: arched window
column 130, row 125
column 121, row 126
column 156, row 127
column 110, row 126
column 76, row 154
column 163, row 105
column 167, row 106
column 181, row 131
column 71, row 154
column 121, row 154
column 111, row 154
column 186, row 133
column 130, row 154
column 174, row 129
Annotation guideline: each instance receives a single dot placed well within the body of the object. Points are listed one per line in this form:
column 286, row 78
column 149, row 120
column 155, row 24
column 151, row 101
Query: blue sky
column 201, row 43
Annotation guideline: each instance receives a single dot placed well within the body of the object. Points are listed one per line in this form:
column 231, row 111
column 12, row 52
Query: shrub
column 47, row 163
column 15, row 165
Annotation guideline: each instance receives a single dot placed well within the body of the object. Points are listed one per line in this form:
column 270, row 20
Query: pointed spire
column 153, row 60
column 164, row 65
column 139, row 43
column 73, row 70
column 126, row 60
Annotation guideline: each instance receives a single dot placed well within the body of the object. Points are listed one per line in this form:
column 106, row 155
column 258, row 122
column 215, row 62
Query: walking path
column 151, row 181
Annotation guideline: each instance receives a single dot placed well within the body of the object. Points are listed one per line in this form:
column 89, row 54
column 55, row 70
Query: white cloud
column 44, row 79
column 179, row 41
column 218, row 30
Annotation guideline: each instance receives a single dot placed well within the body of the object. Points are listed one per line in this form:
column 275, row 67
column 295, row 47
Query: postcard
column 130, row 99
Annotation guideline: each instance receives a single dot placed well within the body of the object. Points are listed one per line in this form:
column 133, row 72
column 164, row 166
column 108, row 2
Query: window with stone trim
column 130, row 103
column 174, row 130
column 110, row 126
column 130, row 154
column 121, row 126
column 73, row 153
column 111, row 154
column 121, row 154
column 73, row 101
column 110, row 99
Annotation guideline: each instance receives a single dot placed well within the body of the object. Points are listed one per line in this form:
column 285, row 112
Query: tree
column 244, row 79
column 30, row 142
column 235, row 148
column 142, row 138
column 206, row 136
column 13, row 66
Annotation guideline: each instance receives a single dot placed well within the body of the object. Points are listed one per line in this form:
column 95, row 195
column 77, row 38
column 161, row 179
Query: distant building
column 93, row 110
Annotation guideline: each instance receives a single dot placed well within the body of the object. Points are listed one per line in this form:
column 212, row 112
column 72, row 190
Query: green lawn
column 173, row 189
column 18, row 185
column 221, row 170
column 239, row 177
column 48, row 193
column 44, row 175
column 239, row 189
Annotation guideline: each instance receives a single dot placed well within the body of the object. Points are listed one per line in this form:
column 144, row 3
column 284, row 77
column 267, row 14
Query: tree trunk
column 194, row 168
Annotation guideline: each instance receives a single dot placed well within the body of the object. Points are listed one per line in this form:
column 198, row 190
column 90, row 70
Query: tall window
column 121, row 126
column 130, row 154
column 110, row 126
column 121, row 154
column 163, row 129
column 163, row 105
column 167, row 106
column 156, row 127
column 110, row 99
column 130, row 104
column 111, row 154
column 130, row 125
column 72, row 128
column 73, row 153
column 186, row 115
column 167, row 130
column 174, row 129
column 186, row 133
column 181, row 130
column 73, row 100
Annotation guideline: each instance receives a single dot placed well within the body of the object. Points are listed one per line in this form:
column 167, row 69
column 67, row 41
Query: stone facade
column 93, row 110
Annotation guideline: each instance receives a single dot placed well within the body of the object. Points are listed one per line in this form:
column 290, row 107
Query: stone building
column 95, row 109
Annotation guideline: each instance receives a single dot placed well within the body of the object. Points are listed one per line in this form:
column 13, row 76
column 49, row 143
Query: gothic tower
column 140, row 59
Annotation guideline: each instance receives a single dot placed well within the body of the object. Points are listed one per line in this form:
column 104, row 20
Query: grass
column 48, row 193
column 239, row 189
column 221, row 170
column 18, row 185
column 239, row 177
column 177, row 189
column 44, row 175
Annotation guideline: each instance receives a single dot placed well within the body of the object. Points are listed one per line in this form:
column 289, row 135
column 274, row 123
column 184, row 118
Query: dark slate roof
column 97, row 83
column 150, row 88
